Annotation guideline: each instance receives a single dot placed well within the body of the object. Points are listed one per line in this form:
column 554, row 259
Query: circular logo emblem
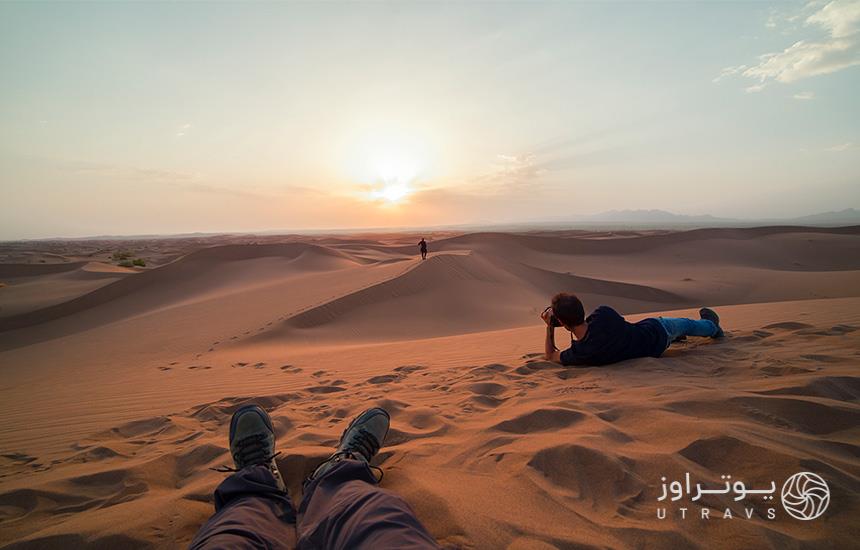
column 805, row 496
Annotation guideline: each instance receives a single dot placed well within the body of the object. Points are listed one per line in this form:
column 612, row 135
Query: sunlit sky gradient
column 168, row 118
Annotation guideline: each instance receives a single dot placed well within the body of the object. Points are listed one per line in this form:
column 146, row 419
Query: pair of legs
column 342, row 507
column 679, row 328
column 423, row 254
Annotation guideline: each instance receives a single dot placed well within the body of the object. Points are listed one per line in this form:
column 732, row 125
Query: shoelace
column 361, row 445
column 250, row 451
column 231, row 469
column 366, row 442
column 338, row 456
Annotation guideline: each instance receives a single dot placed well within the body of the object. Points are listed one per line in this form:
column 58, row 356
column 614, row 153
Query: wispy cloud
column 186, row 181
column 847, row 146
column 729, row 71
column 508, row 172
column 804, row 96
column 183, row 130
column 838, row 50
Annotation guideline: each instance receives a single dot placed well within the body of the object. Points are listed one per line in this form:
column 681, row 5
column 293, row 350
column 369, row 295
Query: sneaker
column 710, row 315
column 252, row 441
column 360, row 441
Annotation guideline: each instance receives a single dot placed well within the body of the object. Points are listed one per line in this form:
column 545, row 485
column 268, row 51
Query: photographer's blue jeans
column 677, row 327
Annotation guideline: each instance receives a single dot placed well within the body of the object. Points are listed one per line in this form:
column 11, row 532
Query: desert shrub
column 125, row 263
column 139, row 262
column 120, row 255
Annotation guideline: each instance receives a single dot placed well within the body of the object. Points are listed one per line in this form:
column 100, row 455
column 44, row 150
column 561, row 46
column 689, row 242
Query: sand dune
column 453, row 293
column 637, row 273
column 117, row 398
column 33, row 287
column 198, row 276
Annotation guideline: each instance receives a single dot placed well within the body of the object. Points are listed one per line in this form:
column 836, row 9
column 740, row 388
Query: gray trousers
column 343, row 509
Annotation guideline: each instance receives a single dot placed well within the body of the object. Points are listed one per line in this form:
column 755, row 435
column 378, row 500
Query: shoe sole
column 715, row 320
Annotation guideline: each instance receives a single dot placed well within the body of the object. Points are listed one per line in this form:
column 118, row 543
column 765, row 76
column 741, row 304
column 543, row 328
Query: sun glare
column 393, row 193
column 386, row 160
column 395, row 175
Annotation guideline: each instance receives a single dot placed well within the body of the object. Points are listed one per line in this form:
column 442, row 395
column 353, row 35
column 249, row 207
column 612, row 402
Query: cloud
column 194, row 182
column 805, row 59
column 847, row 146
column 840, row 17
column 729, row 71
column 513, row 171
column 183, row 130
column 839, row 50
column 804, row 96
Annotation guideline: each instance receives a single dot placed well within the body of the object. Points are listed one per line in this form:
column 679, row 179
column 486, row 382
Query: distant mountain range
column 649, row 216
column 849, row 216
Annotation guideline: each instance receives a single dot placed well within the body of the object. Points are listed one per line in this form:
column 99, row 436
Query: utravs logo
column 804, row 496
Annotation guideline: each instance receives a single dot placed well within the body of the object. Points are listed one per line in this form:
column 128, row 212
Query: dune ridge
column 301, row 256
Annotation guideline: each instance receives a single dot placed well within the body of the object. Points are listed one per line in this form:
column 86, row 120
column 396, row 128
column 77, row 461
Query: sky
column 156, row 118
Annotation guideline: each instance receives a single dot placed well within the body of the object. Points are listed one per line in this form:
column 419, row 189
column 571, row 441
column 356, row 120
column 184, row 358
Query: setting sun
column 396, row 173
column 392, row 192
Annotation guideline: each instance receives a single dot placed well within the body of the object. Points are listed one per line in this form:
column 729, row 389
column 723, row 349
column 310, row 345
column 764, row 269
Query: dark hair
column 568, row 309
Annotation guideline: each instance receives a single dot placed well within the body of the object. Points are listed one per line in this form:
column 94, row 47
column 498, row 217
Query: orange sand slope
column 116, row 396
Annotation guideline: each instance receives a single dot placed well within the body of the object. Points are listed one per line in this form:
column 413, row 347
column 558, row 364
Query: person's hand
column 547, row 316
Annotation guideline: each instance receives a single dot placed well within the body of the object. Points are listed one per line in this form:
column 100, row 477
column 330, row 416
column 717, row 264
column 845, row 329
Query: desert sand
column 118, row 383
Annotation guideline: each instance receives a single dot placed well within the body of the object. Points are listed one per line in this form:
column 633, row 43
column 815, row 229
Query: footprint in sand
column 787, row 325
column 199, row 367
column 821, row 358
column 324, row 389
column 20, row 458
column 165, row 368
column 491, row 369
column 486, row 388
column 542, row 419
column 407, row 369
column 383, row 379
column 532, row 367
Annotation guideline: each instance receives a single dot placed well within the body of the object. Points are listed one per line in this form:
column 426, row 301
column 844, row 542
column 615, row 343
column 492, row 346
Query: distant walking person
column 422, row 244
column 343, row 508
column 604, row 337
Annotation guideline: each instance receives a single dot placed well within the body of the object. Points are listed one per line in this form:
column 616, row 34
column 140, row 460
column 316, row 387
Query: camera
column 553, row 320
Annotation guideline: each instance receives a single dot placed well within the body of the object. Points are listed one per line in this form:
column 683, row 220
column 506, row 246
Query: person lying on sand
column 604, row 337
column 342, row 507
